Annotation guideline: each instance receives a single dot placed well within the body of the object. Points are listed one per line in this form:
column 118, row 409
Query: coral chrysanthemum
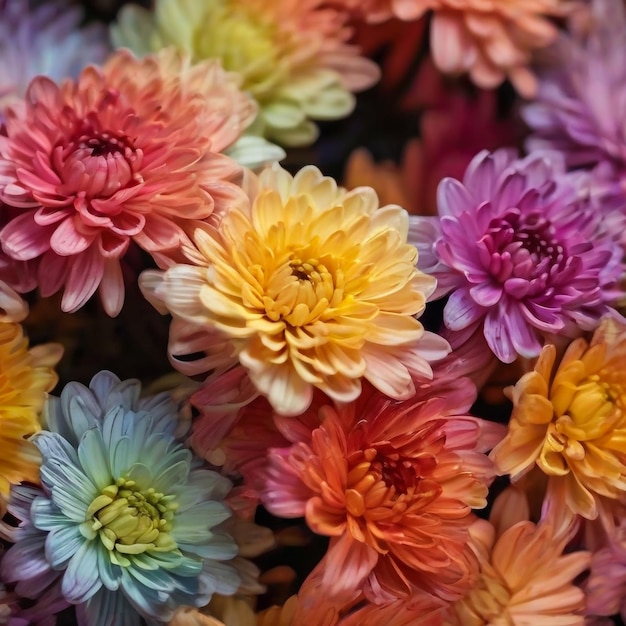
column 315, row 288
column 393, row 485
column 569, row 419
column 125, row 524
column 26, row 376
column 522, row 251
column 292, row 55
column 45, row 40
column 490, row 39
column 524, row 576
column 127, row 153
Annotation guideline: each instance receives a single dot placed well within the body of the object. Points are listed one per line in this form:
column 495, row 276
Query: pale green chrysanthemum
column 292, row 55
column 126, row 518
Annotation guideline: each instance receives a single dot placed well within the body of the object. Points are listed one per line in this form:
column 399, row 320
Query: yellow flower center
column 591, row 409
column 244, row 44
column 129, row 520
column 488, row 601
column 300, row 291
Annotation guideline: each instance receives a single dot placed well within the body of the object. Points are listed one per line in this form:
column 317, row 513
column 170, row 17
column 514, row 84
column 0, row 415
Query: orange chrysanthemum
column 569, row 421
column 25, row 377
column 393, row 485
column 490, row 39
column 524, row 576
column 315, row 287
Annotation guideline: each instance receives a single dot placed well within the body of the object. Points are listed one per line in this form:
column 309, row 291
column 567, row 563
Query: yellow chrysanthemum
column 25, row 377
column 292, row 55
column 315, row 287
column 571, row 423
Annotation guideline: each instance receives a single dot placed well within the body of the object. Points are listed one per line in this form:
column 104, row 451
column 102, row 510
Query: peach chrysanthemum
column 569, row 420
column 490, row 39
column 127, row 153
column 292, row 55
column 524, row 576
column 314, row 287
column 26, row 375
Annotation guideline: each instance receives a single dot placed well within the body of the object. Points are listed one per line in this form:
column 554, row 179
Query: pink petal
column 86, row 271
column 67, row 240
column 23, row 239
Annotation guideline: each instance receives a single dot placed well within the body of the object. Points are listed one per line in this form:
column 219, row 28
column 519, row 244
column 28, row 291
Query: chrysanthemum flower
column 44, row 40
column 128, row 153
column 451, row 134
column 579, row 109
column 606, row 586
column 522, row 252
column 126, row 518
column 393, row 485
column 26, row 376
column 524, row 576
column 492, row 40
column 568, row 419
column 292, row 55
column 315, row 288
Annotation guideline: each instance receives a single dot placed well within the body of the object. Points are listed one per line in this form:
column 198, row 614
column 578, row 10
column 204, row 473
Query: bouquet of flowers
column 311, row 312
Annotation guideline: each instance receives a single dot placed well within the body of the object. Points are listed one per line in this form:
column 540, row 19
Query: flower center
column 243, row 43
column 595, row 405
column 488, row 600
column 129, row 520
column 522, row 246
column 96, row 163
column 302, row 290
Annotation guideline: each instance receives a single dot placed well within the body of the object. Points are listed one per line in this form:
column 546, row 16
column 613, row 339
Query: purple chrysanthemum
column 44, row 40
column 521, row 250
column 580, row 108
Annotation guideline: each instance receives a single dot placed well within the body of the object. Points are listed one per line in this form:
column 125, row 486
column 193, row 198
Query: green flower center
column 243, row 43
column 130, row 520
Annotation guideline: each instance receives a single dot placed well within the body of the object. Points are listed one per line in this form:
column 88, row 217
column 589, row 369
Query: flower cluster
column 383, row 382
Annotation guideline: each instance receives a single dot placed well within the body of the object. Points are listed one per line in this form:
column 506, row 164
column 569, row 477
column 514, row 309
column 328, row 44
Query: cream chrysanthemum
column 315, row 287
column 292, row 55
column 25, row 377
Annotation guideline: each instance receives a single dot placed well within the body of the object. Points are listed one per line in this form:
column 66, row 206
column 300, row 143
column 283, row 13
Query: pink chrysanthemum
column 490, row 39
column 393, row 485
column 130, row 152
column 606, row 586
column 579, row 109
column 521, row 251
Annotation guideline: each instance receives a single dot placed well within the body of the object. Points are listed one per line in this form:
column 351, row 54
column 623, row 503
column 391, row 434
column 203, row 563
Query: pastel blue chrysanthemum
column 128, row 515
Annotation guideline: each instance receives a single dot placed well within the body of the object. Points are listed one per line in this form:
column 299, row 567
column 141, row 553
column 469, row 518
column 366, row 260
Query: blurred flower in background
column 294, row 57
column 580, row 108
column 492, row 41
column 45, row 39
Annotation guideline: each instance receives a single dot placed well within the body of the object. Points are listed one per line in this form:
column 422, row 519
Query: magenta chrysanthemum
column 129, row 152
column 521, row 251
